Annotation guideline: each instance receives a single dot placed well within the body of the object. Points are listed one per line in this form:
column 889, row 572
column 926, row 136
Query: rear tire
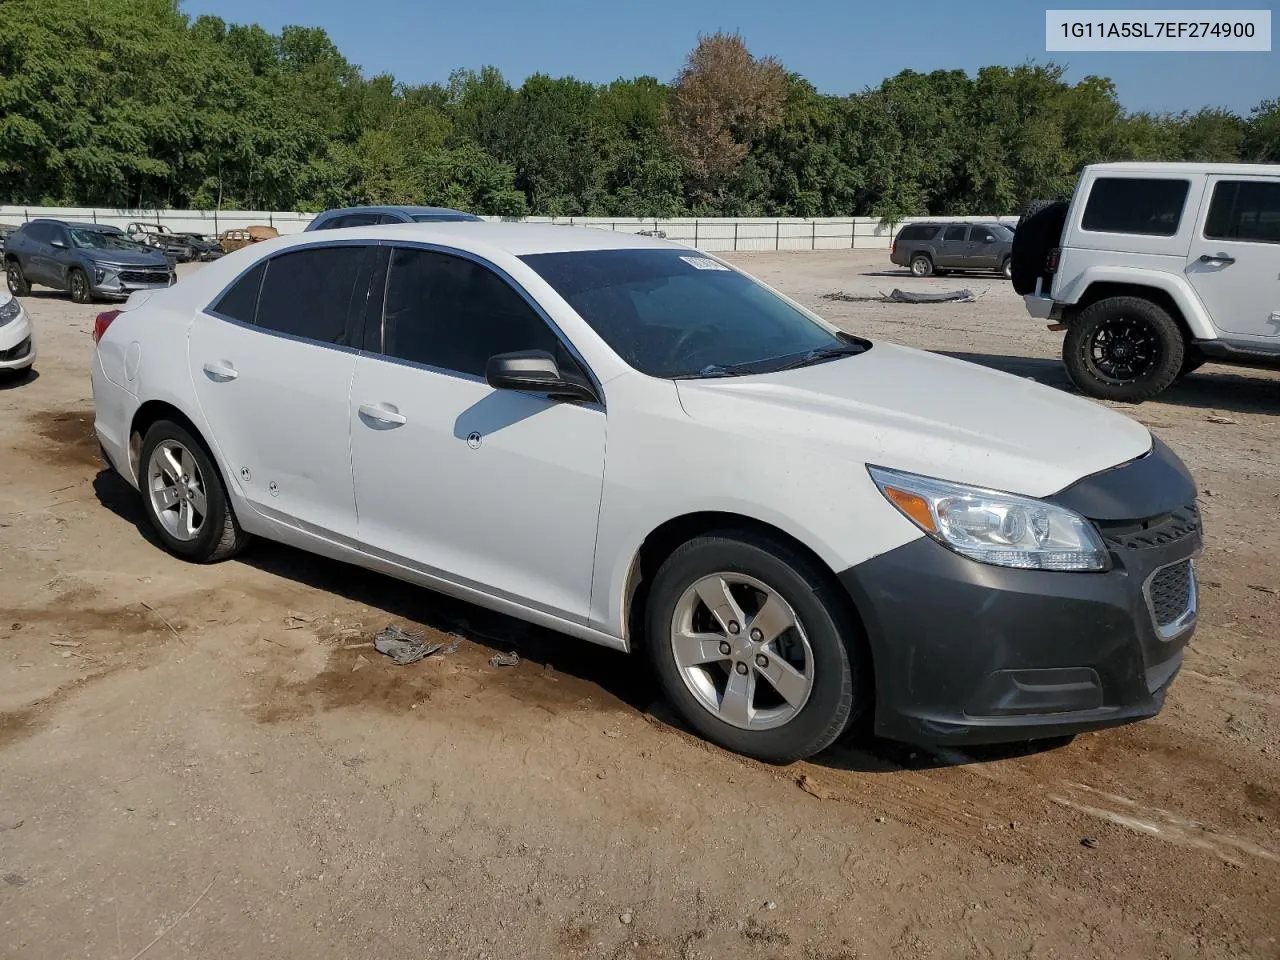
column 16, row 279
column 1006, row 268
column 1039, row 231
column 921, row 265
column 1123, row 348
column 184, row 497
column 776, row 590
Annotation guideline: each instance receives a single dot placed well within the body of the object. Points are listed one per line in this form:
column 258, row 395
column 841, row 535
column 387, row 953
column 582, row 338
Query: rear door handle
column 382, row 413
column 1217, row 258
column 221, row 370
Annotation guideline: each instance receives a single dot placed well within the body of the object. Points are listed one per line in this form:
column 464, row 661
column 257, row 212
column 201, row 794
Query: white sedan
column 636, row 444
column 17, row 339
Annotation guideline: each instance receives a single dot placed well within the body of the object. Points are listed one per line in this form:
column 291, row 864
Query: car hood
column 127, row 258
column 924, row 413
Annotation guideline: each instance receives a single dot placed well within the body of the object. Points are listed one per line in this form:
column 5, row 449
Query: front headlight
column 9, row 309
column 1004, row 529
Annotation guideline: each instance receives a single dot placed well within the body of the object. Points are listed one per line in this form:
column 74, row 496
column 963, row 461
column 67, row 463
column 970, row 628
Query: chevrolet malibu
column 636, row 444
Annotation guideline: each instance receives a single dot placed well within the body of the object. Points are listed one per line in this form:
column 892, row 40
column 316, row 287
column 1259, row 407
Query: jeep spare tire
column 1039, row 231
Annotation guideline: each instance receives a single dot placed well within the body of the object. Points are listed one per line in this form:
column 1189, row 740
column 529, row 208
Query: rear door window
column 981, row 235
column 1131, row 205
column 955, row 233
column 1244, row 210
column 308, row 293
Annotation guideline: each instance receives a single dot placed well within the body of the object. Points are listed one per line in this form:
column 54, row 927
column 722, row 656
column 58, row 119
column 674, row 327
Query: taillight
column 893, row 247
column 101, row 322
column 1051, row 260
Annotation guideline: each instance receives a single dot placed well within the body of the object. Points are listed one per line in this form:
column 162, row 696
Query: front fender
column 1175, row 285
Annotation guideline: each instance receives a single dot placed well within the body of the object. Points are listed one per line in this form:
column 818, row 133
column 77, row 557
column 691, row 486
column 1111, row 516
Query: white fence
column 705, row 233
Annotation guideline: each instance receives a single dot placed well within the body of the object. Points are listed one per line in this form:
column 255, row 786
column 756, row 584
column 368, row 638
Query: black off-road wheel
column 1123, row 348
column 754, row 647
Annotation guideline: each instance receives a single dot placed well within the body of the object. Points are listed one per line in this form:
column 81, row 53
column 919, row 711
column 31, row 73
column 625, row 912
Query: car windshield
column 675, row 314
column 101, row 240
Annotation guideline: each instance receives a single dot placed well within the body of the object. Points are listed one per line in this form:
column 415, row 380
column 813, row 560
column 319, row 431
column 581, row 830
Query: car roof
column 397, row 208
column 78, row 224
column 484, row 237
column 1220, row 169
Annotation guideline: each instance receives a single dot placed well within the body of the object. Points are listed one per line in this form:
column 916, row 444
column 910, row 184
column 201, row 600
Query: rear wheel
column 78, row 285
column 921, row 265
column 1123, row 348
column 752, row 646
column 184, row 498
column 1006, row 268
column 16, row 280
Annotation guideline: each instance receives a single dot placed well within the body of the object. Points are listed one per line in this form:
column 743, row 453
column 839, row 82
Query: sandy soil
column 194, row 753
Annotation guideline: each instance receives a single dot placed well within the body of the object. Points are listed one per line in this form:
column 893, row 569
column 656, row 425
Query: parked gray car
column 86, row 259
column 368, row 216
column 928, row 248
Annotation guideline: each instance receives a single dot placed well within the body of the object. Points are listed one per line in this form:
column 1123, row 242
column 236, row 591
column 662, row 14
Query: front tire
column 753, row 646
column 921, row 265
column 1123, row 348
column 184, row 497
column 78, row 286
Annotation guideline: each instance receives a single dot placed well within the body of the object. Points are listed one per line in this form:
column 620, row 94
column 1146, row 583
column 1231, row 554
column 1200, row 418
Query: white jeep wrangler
column 1153, row 269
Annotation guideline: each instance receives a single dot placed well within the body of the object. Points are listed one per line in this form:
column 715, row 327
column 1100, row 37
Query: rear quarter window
column 1143, row 207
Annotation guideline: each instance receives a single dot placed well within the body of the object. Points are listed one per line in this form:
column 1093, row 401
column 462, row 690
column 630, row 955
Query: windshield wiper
column 821, row 354
column 708, row 372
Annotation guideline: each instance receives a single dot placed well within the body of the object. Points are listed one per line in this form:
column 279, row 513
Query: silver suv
column 1152, row 269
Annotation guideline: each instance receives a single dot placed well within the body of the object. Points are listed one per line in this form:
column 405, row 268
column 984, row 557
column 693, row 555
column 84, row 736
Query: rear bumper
column 1042, row 308
column 968, row 653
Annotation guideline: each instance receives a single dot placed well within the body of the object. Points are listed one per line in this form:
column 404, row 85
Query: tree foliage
column 132, row 103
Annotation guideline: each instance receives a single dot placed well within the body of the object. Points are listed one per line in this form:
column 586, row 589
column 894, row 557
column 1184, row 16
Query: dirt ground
column 194, row 753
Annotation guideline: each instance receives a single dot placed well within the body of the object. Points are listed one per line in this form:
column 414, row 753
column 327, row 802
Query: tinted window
column 915, row 232
column 41, row 232
column 1245, row 210
column 956, row 233
column 454, row 313
column 672, row 313
column 241, row 301
column 307, row 294
column 981, row 234
column 390, row 218
column 1127, row 205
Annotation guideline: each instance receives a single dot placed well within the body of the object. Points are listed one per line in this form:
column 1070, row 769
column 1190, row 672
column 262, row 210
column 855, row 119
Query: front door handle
column 382, row 413
column 1217, row 259
column 221, row 370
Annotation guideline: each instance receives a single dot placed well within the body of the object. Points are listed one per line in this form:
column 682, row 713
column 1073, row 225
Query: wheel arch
column 150, row 413
column 1170, row 293
column 668, row 536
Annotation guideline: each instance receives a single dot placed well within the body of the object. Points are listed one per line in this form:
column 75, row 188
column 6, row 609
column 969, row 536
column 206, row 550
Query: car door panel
column 951, row 247
column 1233, row 258
column 487, row 488
column 39, row 260
column 981, row 252
column 277, row 403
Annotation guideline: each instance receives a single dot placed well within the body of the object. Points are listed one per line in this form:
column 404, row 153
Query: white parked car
column 638, row 445
column 1155, row 268
column 17, row 339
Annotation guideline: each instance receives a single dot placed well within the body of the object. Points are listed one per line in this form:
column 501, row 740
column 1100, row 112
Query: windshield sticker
column 704, row 263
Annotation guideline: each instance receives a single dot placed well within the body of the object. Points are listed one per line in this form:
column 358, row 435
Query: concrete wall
column 706, row 233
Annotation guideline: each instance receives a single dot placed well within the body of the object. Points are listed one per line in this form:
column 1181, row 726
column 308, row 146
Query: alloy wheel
column 1124, row 349
column 741, row 651
column 176, row 488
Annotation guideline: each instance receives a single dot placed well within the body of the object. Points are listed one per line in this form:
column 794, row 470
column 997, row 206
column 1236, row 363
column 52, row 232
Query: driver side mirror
column 988, row 239
column 534, row 371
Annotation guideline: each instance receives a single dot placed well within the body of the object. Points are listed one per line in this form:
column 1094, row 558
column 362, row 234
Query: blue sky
column 841, row 46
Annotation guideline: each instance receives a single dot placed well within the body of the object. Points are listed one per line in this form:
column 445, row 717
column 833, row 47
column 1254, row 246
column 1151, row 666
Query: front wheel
column 1123, row 348
column 752, row 646
column 78, row 284
column 184, row 498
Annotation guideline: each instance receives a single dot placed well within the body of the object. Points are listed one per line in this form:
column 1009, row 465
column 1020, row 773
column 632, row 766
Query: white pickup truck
column 1153, row 269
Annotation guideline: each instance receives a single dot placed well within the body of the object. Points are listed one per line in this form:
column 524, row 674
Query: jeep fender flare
column 1175, row 286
